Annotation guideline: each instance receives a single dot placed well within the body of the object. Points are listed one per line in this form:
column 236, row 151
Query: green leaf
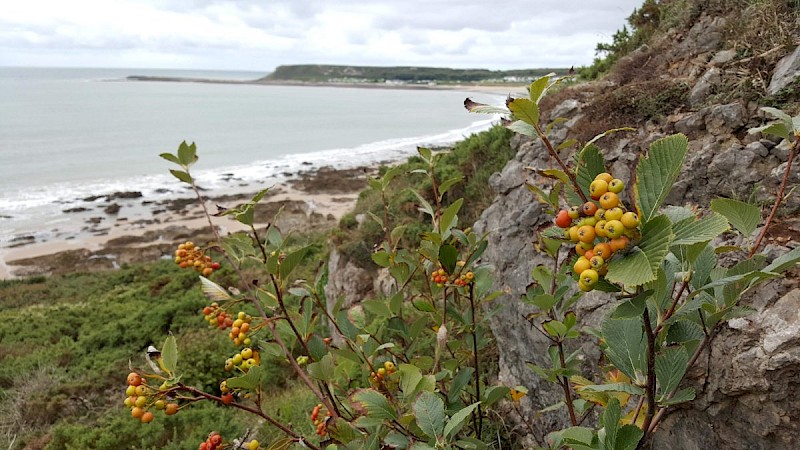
column 606, row 133
column 429, row 412
column 743, row 216
column 448, row 256
column 784, row 262
column 614, row 387
column 775, row 128
column 181, row 175
column 523, row 128
column 524, row 109
column 342, row 431
column 626, row 346
column 381, row 258
column 684, row 395
column 187, row 154
column 610, row 422
column 447, row 184
column 633, row 307
column 688, row 232
column 459, row 382
column 426, row 207
column 684, row 331
column 323, row 370
column 494, row 393
column 376, row 404
column 378, row 307
column 291, row 261
column 169, row 354
column 457, row 420
column 537, row 88
column 590, row 164
column 628, row 437
column 671, row 366
column 657, row 173
column 449, row 218
column 250, row 380
column 425, row 153
column 170, row 157
column 656, row 239
column 678, row 213
column 423, row 305
column 632, row 270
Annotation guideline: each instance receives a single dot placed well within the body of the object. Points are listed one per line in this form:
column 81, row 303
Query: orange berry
column 586, row 233
column 147, row 417
column 602, row 250
column 609, row 200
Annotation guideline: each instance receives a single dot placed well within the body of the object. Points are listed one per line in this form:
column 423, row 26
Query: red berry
column 563, row 220
column 215, row 265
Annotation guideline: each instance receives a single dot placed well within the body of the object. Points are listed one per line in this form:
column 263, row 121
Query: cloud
column 259, row 35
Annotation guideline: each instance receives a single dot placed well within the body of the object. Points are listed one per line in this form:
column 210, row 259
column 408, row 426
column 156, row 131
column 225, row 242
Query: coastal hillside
column 701, row 68
column 418, row 75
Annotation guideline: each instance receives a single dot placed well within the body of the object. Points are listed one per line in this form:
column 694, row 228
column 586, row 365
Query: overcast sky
column 260, row 35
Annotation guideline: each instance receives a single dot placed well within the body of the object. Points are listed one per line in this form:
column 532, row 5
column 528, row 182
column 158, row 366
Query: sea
column 69, row 134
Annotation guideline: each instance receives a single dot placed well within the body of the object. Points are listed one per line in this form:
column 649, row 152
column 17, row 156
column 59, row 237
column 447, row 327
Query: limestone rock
column 703, row 88
column 786, row 72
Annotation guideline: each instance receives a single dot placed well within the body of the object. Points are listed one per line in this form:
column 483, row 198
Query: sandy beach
column 314, row 200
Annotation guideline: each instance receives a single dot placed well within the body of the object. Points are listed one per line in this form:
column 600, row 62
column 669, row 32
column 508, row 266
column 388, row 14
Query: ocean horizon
column 69, row 134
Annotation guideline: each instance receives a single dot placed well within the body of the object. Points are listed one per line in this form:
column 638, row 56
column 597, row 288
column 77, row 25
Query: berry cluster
column 381, row 376
column 213, row 442
column 320, row 422
column 599, row 230
column 239, row 329
column 140, row 397
column 440, row 277
column 217, row 317
column 189, row 255
column 243, row 360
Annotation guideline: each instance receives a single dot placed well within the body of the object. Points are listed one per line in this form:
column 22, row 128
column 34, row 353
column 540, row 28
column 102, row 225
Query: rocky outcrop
column 786, row 72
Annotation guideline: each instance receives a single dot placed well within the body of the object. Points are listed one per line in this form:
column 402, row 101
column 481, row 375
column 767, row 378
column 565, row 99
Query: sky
column 259, row 35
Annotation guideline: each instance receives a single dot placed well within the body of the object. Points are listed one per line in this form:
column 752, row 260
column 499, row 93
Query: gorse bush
column 406, row 370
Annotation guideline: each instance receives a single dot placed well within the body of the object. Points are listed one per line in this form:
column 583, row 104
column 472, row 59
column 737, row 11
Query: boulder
column 785, row 73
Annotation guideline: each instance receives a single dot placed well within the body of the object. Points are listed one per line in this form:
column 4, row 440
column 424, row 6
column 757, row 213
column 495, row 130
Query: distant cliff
column 317, row 73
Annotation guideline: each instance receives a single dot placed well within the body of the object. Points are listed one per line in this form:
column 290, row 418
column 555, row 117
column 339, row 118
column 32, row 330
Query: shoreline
column 494, row 89
column 312, row 201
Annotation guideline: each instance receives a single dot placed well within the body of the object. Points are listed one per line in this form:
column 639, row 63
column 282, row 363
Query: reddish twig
column 778, row 198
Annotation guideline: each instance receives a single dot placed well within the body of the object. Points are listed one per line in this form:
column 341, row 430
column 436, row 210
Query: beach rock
column 123, row 195
column 75, row 210
column 112, row 209
column 785, row 73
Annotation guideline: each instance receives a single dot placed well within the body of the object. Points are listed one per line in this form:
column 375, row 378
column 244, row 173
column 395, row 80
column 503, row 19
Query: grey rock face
column 748, row 383
column 703, row 87
column 786, row 71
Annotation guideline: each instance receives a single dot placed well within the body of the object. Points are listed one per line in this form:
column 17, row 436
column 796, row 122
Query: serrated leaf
column 482, row 108
column 626, row 345
column 537, row 88
column 684, row 331
column 376, row 404
column 628, row 437
column 457, row 420
column 429, row 412
column 678, row 213
column 213, row 291
column 522, row 128
column 524, row 109
column 743, row 216
column 555, row 174
column 657, row 236
column 169, row 354
column 590, row 164
column 613, row 387
column 323, row 369
column 248, row 381
column 688, row 232
column 671, row 365
column 632, row 270
column 784, row 262
column 291, row 261
column 181, row 175
column 632, row 307
column 657, row 172
column 684, row 395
